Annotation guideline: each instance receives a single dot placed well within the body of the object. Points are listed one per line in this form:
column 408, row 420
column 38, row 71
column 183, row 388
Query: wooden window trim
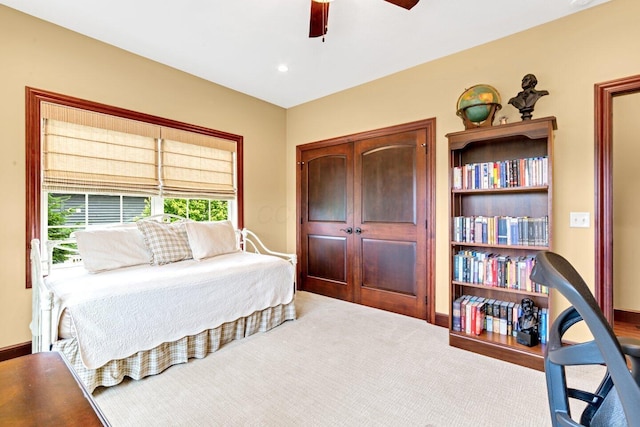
column 34, row 97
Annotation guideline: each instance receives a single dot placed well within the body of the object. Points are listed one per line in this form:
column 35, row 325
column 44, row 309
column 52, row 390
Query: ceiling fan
column 318, row 22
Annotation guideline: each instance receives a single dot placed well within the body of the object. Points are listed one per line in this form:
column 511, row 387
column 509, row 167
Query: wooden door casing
column 380, row 251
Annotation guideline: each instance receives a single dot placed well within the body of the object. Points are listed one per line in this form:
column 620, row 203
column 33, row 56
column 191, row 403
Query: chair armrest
column 631, row 348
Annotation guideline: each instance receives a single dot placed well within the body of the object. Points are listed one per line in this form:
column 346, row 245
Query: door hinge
column 301, row 164
column 426, row 300
column 300, row 220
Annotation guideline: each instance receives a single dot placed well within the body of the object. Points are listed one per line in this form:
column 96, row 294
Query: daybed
column 155, row 294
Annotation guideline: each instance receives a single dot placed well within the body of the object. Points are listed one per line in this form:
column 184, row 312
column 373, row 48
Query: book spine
column 543, row 328
column 488, row 315
column 463, row 313
column 471, row 314
column 510, row 319
column 467, row 315
column 503, row 230
column 457, row 178
column 479, row 323
column 496, row 317
column 524, row 172
column 515, row 316
column 455, row 313
column 503, row 318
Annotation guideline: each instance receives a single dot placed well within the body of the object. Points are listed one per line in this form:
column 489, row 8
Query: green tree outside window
column 194, row 209
column 57, row 216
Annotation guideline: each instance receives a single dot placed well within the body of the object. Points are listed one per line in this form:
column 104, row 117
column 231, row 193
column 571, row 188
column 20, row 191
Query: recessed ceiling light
column 283, row 68
column 579, row 3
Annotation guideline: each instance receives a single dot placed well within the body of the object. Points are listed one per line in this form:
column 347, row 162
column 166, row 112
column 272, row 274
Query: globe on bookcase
column 477, row 106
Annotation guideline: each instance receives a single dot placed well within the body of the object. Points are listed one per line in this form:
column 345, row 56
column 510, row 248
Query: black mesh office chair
column 616, row 401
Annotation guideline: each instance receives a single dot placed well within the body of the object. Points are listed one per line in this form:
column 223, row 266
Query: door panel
column 390, row 223
column 326, row 215
column 327, row 258
column 389, row 266
column 388, row 171
column 327, row 188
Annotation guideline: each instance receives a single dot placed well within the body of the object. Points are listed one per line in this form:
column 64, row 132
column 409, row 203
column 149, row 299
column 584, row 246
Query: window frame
column 33, row 173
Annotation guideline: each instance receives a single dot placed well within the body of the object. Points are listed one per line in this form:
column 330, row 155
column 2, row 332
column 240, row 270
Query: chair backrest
column 556, row 272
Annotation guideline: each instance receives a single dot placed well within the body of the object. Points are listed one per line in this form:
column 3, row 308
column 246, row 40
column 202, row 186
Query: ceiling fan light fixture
column 318, row 21
column 319, row 18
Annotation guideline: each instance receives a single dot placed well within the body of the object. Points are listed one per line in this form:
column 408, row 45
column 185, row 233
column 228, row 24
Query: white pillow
column 167, row 242
column 208, row 239
column 109, row 249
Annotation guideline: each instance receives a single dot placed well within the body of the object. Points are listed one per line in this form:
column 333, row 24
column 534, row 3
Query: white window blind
column 85, row 151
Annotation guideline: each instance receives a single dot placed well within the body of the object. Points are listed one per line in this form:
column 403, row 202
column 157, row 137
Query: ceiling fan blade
column 319, row 19
column 407, row 4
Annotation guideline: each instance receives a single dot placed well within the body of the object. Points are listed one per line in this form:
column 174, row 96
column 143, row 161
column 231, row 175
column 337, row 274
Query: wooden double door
column 365, row 204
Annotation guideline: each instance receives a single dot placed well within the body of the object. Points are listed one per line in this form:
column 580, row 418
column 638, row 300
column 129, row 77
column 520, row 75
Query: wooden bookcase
column 501, row 147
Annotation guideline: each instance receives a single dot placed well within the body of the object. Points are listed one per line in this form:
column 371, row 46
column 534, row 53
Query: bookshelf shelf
column 501, row 340
column 500, row 347
column 499, row 175
column 499, row 289
column 506, row 247
column 532, row 189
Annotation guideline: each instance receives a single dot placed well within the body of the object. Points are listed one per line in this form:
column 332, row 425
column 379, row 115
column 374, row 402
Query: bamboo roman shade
column 195, row 165
column 85, row 151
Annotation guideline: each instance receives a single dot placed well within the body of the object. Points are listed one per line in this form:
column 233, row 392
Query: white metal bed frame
column 44, row 321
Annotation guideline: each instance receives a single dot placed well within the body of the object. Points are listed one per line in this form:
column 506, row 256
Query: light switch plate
column 579, row 219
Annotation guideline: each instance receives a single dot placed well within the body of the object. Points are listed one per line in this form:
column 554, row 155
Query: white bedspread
column 118, row 313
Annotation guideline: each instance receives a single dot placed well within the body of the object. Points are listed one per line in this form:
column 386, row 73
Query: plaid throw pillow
column 167, row 242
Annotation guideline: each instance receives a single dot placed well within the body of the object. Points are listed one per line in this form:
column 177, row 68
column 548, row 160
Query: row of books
column 501, row 230
column 529, row 172
column 495, row 270
column 473, row 314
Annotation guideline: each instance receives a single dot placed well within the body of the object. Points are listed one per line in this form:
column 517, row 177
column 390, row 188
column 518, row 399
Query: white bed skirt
column 156, row 360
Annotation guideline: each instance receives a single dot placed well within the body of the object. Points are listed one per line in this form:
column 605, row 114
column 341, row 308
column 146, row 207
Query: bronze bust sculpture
column 528, row 324
column 528, row 321
column 527, row 98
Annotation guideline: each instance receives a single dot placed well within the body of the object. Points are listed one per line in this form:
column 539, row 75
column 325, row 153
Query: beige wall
column 626, row 203
column 37, row 54
column 568, row 56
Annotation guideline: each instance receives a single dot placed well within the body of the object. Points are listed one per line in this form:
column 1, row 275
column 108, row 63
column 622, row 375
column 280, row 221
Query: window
column 67, row 213
column 90, row 164
column 83, row 210
column 199, row 209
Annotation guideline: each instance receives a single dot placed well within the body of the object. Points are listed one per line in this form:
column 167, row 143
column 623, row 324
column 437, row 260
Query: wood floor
column 626, row 323
column 627, row 329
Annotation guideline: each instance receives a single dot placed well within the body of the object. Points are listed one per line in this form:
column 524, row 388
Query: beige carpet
column 339, row 364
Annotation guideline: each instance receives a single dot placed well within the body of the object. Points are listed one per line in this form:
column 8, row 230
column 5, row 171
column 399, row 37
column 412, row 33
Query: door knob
column 347, row 230
column 359, row 230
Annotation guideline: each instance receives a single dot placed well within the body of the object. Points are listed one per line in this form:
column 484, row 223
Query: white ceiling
column 240, row 43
